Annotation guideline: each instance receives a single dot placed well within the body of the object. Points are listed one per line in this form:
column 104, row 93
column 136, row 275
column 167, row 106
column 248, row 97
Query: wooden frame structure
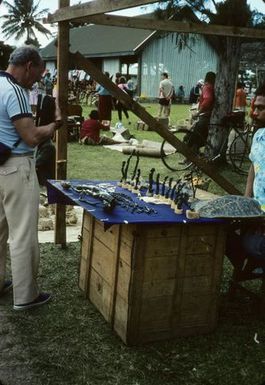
column 94, row 12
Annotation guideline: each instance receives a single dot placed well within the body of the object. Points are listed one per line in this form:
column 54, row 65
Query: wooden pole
column 61, row 135
column 138, row 110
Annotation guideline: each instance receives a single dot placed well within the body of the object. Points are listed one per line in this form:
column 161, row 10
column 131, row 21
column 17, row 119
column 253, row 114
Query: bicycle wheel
column 173, row 159
column 239, row 152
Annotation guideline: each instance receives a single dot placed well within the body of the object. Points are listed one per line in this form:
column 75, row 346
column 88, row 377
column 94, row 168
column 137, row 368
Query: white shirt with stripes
column 14, row 104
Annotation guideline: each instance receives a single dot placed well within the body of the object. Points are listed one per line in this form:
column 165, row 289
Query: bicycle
column 236, row 154
column 239, row 147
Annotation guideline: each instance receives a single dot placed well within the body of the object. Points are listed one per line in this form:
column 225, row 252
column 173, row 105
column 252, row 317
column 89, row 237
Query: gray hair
column 25, row 54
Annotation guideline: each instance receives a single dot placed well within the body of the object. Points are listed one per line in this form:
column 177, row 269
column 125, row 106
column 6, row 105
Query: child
column 90, row 131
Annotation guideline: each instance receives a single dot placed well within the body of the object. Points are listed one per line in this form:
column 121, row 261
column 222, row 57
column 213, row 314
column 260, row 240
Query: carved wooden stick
column 163, row 186
column 150, row 187
column 157, row 183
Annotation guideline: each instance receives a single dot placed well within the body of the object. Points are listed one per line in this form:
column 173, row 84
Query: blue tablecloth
column 163, row 213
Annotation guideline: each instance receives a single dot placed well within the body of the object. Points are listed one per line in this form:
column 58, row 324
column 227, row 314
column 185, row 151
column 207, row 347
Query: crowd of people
column 106, row 104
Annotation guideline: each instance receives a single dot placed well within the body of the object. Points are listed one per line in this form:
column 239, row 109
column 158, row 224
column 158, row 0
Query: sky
column 52, row 5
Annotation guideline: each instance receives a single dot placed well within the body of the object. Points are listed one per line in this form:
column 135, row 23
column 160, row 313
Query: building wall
column 185, row 67
column 112, row 66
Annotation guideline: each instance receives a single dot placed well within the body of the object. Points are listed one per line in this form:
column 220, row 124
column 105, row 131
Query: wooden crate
column 153, row 282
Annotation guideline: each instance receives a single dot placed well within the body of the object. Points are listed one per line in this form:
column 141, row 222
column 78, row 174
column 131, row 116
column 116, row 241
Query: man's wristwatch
column 58, row 124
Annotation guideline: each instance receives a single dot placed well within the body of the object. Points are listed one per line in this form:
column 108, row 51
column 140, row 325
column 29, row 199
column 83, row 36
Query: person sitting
column 197, row 136
column 90, row 131
column 250, row 241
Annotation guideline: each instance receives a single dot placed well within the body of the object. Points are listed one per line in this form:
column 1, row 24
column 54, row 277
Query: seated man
column 251, row 241
column 90, row 131
column 197, row 137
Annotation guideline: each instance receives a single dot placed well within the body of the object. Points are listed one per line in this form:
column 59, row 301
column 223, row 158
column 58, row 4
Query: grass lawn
column 69, row 342
column 96, row 162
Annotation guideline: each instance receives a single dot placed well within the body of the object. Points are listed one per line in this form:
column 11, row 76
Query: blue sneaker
column 7, row 286
column 40, row 300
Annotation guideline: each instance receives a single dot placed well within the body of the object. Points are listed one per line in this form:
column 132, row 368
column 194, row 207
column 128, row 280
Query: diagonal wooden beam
column 174, row 26
column 86, row 65
column 93, row 8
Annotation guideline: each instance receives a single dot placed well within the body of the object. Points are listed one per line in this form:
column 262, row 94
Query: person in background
column 181, row 94
column 19, row 193
column 250, row 241
column 165, row 95
column 252, row 108
column 45, row 152
column 33, row 98
column 104, row 103
column 55, row 88
column 195, row 92
column 48, row 83
column 116, row 81
column 130, row 87
column 240, row 100
column 90, row 131
column 119, row 105
column 41, row 87
column 197, row 136
column 117, row 78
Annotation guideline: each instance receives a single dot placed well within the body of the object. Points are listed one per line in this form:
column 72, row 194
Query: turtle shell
column 228, row 206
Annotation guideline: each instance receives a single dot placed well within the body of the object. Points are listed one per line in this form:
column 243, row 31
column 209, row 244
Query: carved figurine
column 137, row 181
column 157, row 185
column 163, row 187
column 169, row 188
column 172, row 194
column 122, row 180
column 135, row 167
column 150, row 185
column 126, row 171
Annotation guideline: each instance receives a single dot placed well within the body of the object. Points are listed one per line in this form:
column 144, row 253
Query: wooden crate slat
column 100, row 294
column 103, row 261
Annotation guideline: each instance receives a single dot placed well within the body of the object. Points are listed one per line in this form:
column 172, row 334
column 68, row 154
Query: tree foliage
column 24, row 18
column 227, row 13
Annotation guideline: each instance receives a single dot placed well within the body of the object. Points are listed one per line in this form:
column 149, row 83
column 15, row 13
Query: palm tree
column 24, row 18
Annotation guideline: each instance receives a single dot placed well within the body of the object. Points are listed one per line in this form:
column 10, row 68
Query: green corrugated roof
column 100, row 40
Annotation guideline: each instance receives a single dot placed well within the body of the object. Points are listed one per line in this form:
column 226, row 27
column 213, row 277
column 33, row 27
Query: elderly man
column 19, row 189
column 251, row 241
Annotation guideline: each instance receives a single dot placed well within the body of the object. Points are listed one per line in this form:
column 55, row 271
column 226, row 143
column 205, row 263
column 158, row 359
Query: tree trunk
column 225, row 85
